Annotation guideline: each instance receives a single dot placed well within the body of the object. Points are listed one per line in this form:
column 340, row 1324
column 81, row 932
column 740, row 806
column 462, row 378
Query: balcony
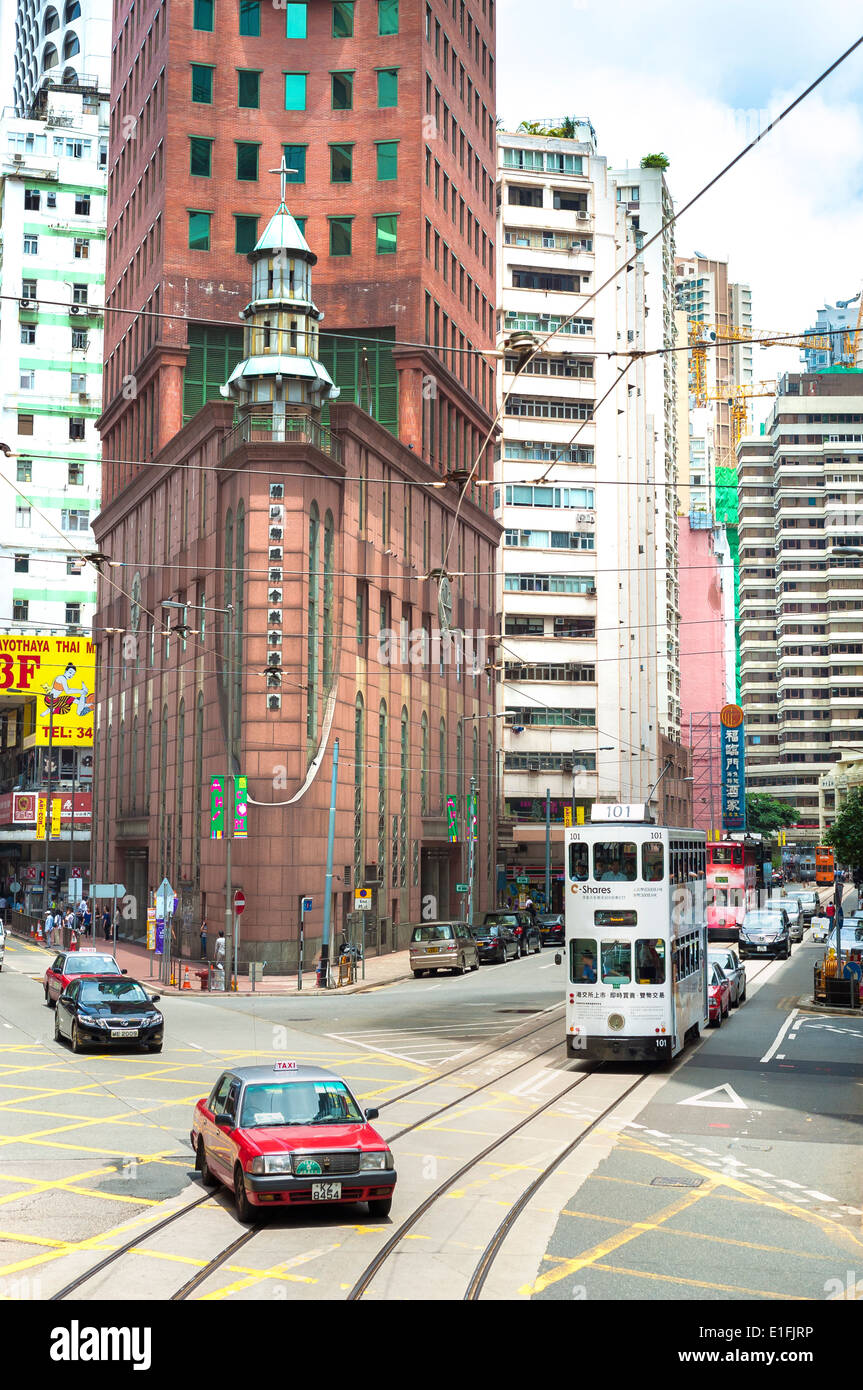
column 289, row 429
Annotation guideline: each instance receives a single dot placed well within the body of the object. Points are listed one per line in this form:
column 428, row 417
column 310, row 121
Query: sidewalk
column 142, row 965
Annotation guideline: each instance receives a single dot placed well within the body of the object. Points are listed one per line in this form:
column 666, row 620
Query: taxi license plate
column 762, row 948
column 124, row 1032
column 432, row 950
column 326, row 1191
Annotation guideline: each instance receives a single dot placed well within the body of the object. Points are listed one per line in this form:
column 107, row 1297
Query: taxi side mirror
column 154, row 998
column 372, row 1114
column 224, row 1121
column 558, row 958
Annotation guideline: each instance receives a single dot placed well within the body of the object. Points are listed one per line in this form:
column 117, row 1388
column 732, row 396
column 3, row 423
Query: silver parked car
column 443, row 946
column 733, row 970
column 793, row 908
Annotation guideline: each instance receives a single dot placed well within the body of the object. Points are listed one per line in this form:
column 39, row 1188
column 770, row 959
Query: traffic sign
column 239, row 902
column 522, row 880
column 362, row 899
column 461, row 888
column 108, row 890
column 308, row 904
column 164, row 899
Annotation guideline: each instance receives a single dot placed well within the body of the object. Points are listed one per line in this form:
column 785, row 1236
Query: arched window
column 198, row 787
column 237, row 626
column 109, row 810
column 328, row 600
column 228, row 587
column 382, row 791
column 359, row 790
column 49, row 57
column 404, row 790
column 442, row 764
column 72, row 11
column 163, row 793
column 52, row 22
column 71, row 46
column 490, row 814
column 312, row 620
column 70, row 76
column 459, row 767
column 424, row 764
column 121, row 768
column 180, row 788
column 133, row 768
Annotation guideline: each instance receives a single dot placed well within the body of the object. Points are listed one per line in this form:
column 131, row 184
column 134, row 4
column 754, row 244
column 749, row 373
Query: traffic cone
column 38, row 929
column 187, row 983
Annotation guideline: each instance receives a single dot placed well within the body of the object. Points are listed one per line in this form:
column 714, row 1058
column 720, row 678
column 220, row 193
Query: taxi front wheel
column 380, row 1207
column 245, row 1211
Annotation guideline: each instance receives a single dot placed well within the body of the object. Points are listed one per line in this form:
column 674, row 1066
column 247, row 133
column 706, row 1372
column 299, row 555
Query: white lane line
column 777, row 1042
column 821, row 1196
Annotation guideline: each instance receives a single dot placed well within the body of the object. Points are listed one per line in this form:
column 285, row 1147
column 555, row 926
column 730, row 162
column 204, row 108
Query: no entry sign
column 239, row 901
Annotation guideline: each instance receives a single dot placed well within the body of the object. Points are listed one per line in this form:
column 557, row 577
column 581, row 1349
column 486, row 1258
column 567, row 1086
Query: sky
column 698, row 83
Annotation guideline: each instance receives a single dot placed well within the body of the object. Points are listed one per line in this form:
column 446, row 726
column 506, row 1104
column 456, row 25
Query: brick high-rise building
column 385, row 110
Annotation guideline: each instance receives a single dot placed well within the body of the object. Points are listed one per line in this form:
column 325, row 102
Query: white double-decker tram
column 636, row 936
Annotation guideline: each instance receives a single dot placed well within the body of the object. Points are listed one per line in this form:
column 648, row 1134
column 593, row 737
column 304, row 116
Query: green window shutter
column 295, row 21
column 248, row 89
column 213, row 354
column 200, row 157
column 388, row 17
column 388, row 159
column 202, row 15
column 343, row 21
column 250, row 18
column 388, row 87
column 202, row 83
column 342, row 91
column 199, row 231
column 295, row 158
column 245, row 233
column 341, row 163
column 247, row 162
column 295, row 91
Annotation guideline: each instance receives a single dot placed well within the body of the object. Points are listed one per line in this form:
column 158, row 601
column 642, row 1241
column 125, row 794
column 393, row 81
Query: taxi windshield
column 81, row 964
column 299, row 1103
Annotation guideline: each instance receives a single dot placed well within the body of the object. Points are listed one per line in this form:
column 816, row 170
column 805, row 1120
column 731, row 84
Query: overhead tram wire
column 610, row 280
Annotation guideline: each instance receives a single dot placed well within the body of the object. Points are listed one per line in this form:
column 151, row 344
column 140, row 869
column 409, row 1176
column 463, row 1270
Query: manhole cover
column 676, row 1182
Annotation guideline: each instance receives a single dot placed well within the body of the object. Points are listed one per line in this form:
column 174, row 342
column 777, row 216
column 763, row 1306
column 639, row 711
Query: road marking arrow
column 732, row 1101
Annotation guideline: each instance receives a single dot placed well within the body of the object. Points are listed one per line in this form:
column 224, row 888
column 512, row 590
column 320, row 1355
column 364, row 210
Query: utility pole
column 230, row 945
column 328, row 886
column 548, row 849
column 471, row 847
column 48, row 800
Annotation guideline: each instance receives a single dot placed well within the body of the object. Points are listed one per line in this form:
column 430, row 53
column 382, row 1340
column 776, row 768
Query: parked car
column 764, row 933
column 496, row 943
column 521, row 924
column 718, row 995
column 809, row 904
column 108, row 1011
column 552, row 928
column 793, row 908
column 733, row 970
column 442, row 946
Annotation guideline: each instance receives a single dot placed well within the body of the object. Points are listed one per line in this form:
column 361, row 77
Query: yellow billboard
column 60, row 674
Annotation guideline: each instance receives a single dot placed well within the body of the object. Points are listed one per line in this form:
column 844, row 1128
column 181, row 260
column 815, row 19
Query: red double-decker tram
column 732, row 886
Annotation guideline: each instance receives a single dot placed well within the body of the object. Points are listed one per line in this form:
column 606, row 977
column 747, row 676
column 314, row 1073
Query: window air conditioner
column 83, row 397
column 74, row 308
column 566, row 763
column 583, row 216
column 17, row 158
column 25, row 303
column 533, row 762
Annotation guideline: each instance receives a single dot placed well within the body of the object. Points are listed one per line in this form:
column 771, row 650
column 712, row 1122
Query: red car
column 718, row 994
column 290, row 1135
column 71, row 965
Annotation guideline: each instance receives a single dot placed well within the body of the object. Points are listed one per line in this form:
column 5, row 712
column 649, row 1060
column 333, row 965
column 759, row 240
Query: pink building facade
column 702, row 668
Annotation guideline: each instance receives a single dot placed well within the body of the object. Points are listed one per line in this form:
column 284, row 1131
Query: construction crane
column 737, row 398
column 703, row 336
column 853, row 339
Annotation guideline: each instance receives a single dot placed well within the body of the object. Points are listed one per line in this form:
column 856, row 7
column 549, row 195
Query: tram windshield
column 615, row 861
column 616, row 959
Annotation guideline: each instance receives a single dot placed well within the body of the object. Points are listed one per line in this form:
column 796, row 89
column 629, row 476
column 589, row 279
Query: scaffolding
column 705, row 746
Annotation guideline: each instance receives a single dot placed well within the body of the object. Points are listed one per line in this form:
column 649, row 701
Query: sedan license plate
column 326, row 1191
column 124, row 1032
column 432, row 950
column 761, row 948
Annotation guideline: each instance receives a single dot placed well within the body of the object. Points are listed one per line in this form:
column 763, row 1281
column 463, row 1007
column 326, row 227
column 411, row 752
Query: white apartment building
column 576, row 493
column 645, row 195
column 53, row 171
column 63, row 43
column 801, row 589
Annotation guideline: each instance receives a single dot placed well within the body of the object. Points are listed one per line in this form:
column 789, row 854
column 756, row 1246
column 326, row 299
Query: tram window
column 652, row 861
column 579, row 863
column 582, row 960
column 616, row 962
column 650, row 961
column 615, row 861
column 721, row 854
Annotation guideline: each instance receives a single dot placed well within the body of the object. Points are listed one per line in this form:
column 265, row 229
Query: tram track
column 493, row 1246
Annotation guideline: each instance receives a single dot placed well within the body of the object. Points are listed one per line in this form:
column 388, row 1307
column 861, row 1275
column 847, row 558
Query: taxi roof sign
column 285, row 1066
column 615, row 810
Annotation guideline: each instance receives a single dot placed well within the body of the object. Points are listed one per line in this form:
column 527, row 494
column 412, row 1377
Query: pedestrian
column 220, row 949
column 49, row 928
column 204, row 939
column 116, row 923
column 106, row 924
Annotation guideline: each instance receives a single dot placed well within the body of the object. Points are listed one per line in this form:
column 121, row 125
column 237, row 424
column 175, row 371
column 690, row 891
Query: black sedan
column 107, row 1011
column 552, row 928
column 496, row 943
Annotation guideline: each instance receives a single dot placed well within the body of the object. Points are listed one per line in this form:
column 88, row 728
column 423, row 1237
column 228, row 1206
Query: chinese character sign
column 733, row 780
column 451, row 819
column 217, row 808
column 241, row 792
column 60, row 674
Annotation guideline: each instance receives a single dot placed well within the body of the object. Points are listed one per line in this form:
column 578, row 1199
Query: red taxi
column 283, row 1134
column 718, row 994
column 71, row 965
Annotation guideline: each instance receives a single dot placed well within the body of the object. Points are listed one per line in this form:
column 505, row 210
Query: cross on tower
column 283, row 172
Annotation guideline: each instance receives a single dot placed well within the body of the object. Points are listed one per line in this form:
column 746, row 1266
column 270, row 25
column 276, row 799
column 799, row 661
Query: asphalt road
column 94, row 1148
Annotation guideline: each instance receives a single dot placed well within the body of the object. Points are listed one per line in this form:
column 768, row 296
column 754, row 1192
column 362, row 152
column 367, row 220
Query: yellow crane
column 737, row 398
column 703, row 336
column 853, row 339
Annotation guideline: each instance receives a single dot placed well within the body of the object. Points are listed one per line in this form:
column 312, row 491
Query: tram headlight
column 616, row 1022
